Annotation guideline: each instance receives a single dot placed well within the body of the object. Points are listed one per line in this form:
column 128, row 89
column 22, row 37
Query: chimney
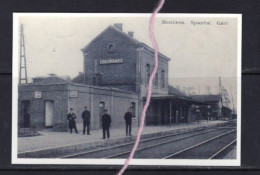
column 131, row 34
column 119, row 26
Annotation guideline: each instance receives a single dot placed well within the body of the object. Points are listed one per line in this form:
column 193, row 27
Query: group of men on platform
column 106, row 122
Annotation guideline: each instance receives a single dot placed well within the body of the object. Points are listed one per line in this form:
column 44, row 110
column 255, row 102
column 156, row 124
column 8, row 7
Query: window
column 101, row 112
column 96, row 64
column 147, row 70
column 102, row 104
column 132, row 107
column 94, row 81
column 98, row 79
column 163, row 79
column 156, row 79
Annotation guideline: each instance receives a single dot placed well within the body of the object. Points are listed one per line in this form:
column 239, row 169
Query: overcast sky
column 199, row 54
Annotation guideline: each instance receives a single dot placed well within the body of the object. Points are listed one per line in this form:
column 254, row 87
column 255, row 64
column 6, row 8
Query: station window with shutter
column 147, row 70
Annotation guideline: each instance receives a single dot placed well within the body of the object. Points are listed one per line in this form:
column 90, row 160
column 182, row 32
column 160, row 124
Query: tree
column 208, row 89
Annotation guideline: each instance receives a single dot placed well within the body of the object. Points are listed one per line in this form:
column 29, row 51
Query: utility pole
column 221, row 101
column 220, row 89
column 22, row 75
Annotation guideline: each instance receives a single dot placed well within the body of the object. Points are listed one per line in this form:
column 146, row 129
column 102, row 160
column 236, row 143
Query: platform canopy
column 172, row 97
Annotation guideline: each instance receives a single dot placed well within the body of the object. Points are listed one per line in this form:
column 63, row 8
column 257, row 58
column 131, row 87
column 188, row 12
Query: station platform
column 49, row 142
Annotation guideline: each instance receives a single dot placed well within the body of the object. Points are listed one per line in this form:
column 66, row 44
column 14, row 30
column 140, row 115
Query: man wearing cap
column 128, row 122
column 72, row 123
column 86, row 120
column 106, row 122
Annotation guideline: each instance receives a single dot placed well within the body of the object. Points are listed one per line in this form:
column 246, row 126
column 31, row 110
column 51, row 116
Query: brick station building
column 116, row 71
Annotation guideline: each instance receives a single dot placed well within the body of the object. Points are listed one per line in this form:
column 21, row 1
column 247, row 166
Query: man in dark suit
column 86, row 120
column 128, row 122
column 106, row 122
column 72, row 123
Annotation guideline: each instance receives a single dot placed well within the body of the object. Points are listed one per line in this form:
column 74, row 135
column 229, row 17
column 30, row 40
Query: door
column 49, row 106
column 101, row 113
column 26, row 114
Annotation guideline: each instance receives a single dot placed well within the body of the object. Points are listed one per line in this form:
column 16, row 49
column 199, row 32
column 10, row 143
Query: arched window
column 163, row 79
column 96, row 64
column 147, row 71
column 101, row 112
column 102, row 104
column 156, row 79
column 132, row 107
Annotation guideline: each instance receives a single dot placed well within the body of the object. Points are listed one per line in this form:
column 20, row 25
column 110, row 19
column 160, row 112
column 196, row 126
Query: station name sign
column 111, row 61
column 37, row 94
column 74, row 94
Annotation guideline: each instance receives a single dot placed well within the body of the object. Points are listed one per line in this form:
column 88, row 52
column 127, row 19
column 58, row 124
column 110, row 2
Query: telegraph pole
column 22, row 75
column 220, row 89
column 220, row 93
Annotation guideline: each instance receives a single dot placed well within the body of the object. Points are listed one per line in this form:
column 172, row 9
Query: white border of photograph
column 155, row 162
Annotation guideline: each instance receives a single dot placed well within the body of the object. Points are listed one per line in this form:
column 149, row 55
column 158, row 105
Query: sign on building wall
column 37, row 94
column 111, row 61
column 74, row 94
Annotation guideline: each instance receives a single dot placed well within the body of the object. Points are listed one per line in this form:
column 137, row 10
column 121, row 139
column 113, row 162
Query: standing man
column 106, row 122
column 86, row 120
column 72, row 123
column 128, row 121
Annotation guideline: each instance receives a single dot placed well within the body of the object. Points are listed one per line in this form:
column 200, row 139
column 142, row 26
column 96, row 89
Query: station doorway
column 26, row 114
column 101, row 113
column 49, row 113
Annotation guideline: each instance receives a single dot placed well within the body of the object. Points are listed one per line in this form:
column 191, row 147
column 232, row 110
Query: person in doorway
column 128, row 122
column 86, row 120
column 106, row 122
column 72, row 123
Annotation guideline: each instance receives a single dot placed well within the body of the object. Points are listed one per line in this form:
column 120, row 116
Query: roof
column 172, row 90
column 52, row 80
column 226, row 109
column 78, row 79
column 131, row 39
column 207, row 98
column 174, row 97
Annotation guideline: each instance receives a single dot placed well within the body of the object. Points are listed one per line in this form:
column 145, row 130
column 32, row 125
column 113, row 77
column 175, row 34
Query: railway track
column 207, row 149
column 159, row 144
column 95, row 153
column 222, row 152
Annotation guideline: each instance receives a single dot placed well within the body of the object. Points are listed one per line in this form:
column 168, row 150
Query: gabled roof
column 131, row 39
column 114, row 29
column 78, row 79
column 207, row 98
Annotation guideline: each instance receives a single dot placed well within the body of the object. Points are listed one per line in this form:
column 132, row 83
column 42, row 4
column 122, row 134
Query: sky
column 199, row 53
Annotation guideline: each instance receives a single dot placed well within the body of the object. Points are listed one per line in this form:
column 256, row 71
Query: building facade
column 116, row 59
column 115, row 77
column 212, row 107
column 45, row 104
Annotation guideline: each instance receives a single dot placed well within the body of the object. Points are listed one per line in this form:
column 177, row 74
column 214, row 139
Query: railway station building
column 213, row 107
column 115, row 76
